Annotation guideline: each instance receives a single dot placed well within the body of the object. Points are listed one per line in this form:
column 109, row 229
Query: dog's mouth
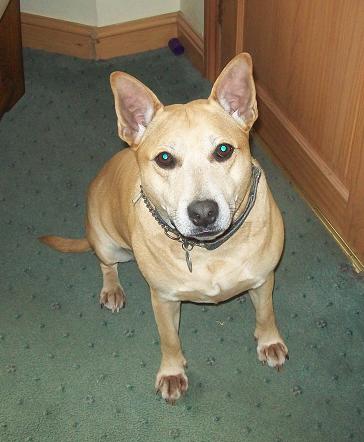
column 206, row 235
column 200, row 235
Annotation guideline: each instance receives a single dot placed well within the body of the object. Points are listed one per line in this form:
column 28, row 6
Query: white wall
column 193, row 10
column 99, row 12
column 120, row 11
column 78, row 11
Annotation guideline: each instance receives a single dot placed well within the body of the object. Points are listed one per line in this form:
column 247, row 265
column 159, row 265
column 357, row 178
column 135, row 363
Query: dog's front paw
column 274, row 354
column 112, row 298
column 171, row 386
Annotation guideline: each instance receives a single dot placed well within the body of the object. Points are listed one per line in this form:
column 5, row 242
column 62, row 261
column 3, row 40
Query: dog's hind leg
column 112, row 294
column 110, row 253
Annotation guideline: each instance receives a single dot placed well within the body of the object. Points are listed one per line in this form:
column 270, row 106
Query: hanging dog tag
column 187, row 248
column 188, row 260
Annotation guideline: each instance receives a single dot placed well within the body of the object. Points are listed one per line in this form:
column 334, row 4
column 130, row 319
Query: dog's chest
column 213, row 279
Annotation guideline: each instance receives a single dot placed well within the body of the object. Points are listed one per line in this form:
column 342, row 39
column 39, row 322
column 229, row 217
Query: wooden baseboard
column 91, row 42
column 135, row 36
column 58, row 36
column 192, row 42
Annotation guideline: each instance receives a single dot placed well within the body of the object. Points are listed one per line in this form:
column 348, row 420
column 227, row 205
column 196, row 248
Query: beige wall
column 193, row 10
column 78, row 11
column 99, row 12
column 119, row 11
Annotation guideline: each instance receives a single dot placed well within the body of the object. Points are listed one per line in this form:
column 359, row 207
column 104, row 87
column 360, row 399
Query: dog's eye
column 223, row 151
column 165, row 160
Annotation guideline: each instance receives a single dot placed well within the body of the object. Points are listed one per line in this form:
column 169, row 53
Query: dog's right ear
column 135, row 107
column 234, row 90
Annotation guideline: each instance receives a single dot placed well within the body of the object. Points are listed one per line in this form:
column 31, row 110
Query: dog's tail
column 66, row 245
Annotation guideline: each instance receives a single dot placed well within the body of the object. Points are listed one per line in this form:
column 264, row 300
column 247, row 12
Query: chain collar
column 188, row 243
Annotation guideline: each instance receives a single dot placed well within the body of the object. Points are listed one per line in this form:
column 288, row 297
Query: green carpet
column 70, row 371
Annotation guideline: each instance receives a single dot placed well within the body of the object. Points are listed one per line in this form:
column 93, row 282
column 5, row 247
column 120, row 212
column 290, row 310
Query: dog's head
column 194, row 158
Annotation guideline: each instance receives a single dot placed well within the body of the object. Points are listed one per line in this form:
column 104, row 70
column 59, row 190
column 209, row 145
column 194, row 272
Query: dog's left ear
column 234, row 90
column 135, row 107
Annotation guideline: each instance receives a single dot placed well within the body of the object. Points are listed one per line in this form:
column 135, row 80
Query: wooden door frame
column 211, row 38
column 214, row 37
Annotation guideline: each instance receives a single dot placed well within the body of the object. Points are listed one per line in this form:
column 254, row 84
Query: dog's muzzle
column 206, row 211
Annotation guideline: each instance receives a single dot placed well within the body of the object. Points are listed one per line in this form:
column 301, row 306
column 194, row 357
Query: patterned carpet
column 70, row 371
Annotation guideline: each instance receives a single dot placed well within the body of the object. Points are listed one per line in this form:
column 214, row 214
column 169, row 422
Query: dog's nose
column 203, row 213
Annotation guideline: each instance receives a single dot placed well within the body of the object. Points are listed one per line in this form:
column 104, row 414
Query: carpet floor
column 70, row 371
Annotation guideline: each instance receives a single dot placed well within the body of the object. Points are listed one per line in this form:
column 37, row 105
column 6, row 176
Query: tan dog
column 192, row 206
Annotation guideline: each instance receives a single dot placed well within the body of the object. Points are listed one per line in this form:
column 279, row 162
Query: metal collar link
column 188, row 243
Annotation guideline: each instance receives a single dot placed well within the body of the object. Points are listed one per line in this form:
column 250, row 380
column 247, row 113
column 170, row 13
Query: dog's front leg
column 171, row 378
column 271, row 348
